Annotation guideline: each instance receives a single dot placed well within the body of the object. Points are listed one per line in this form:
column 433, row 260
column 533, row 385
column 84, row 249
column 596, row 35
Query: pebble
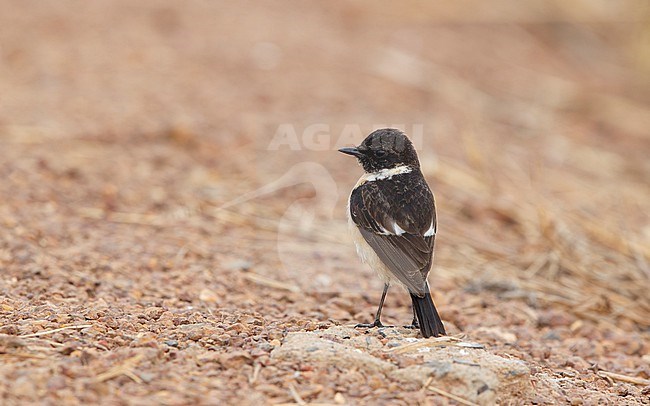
column 208, row 295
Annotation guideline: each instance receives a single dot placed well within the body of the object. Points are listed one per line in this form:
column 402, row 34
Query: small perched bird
column 393, row 222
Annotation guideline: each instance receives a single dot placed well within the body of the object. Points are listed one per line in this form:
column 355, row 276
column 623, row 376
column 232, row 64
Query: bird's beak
column 351, row 151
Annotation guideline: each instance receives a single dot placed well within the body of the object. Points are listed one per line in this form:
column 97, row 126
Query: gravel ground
column 172, row 205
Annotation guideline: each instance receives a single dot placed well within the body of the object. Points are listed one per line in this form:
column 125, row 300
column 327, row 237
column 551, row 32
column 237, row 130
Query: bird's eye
column 380, row 153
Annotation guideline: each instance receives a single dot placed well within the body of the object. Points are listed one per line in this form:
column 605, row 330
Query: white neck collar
column 387, row 173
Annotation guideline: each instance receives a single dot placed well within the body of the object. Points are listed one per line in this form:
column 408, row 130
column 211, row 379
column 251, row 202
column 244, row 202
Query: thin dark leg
column 377, row 322
column 381, row 304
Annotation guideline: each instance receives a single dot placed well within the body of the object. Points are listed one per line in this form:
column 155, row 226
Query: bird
column 392, row 219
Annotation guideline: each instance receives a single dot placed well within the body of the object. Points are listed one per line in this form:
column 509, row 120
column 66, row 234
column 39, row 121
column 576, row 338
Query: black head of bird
column 384, row 149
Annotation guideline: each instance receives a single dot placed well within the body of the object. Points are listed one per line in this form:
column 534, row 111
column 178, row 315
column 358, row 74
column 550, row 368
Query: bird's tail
column 428, row 318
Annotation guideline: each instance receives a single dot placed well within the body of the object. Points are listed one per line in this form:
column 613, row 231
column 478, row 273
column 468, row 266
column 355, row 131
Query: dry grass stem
column 625, row 378
column 296, row 395
column 433, row 342
column 56, row 330
column 427, row 386
column 272, row 283
column 125, row 368
column 23, row 355
column 256, row 372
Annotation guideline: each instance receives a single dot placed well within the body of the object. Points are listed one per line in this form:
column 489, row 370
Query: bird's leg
column 377, row 322
column 414, row 323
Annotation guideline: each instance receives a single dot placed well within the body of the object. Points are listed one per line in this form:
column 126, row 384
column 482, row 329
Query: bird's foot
column 414, row 325
column 375, row 323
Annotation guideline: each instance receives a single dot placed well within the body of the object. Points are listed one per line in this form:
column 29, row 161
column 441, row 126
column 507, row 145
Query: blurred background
column 186, row 152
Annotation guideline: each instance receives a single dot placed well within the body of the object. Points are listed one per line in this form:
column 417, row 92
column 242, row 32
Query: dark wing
column 393, row 217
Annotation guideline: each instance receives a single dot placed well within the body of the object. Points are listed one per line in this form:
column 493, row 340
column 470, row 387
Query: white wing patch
column 431, row 231
column 384, row 231
column 396, row 230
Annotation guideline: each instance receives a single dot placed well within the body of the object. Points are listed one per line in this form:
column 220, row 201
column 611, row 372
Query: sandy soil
column 172, row 204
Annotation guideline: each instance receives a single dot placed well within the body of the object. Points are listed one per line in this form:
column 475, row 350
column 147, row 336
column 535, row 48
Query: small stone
column 266, row 347
column 235, row 359
column 239, row 265
column 253, row 321
column 576, row 325
column 153, row 313
column 145, row 340
column 10, row 341
column 375, row 383
column 223, row 339
column 555, row 319
column 194, row 332
column 25, row 387
column 146, row 376
column 172, row 343
column 9, row 329
column 239, row 328
column 208, row 295
column 552, row 335
column 56, row 382
column 497, row 334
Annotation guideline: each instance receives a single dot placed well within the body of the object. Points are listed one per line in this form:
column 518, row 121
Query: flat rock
column 474, row 374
